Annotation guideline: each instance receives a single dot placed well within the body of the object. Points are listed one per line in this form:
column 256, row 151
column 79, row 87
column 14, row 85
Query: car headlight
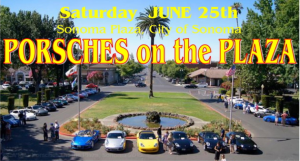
column 255, row 146
column 191, row 144
column 207, row 143
column 242, row 146
column 177, row 145
column 142, row 145
column 155, row 145
column 121, row 144
column 224, row 144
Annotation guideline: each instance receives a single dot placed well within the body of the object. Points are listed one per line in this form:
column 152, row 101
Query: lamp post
column 262, row 89
column 205, row 76
column 181, row 70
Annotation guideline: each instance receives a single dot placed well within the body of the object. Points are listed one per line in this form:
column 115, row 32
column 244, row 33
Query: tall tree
column 238, row 7
column 144, row 22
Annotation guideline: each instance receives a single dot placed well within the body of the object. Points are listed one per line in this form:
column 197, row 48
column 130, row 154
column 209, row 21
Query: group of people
column 167, row 139
column 22, row 117
column 54, row 131
column 283, row 118
column 5, row 130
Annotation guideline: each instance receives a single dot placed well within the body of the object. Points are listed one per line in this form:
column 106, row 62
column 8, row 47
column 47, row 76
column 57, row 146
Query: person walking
column 223, row 157
column 56, row 126
column 232, row 142
column 165, row 141
column 211, row 95
column 256, row 107
column 226, row 105
column 276, row 118
column 45, row 130
column 159, row 133
column 219, row 98
column 8, row 131
column 244, row 107
column 283, row 117
column 52, row 132
column 218, row 150
column 170, row 142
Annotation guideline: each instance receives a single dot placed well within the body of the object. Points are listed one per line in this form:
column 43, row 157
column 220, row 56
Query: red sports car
column 91, row 85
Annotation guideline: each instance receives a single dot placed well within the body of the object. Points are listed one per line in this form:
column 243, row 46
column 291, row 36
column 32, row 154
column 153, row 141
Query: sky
column 53, row 7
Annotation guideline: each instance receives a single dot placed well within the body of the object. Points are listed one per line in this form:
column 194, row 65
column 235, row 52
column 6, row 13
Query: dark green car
column 64, row 102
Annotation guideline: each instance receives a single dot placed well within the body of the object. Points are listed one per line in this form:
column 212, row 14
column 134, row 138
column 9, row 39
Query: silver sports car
column 115, row 141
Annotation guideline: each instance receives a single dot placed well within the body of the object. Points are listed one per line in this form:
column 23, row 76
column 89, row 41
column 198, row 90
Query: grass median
column 126, row 102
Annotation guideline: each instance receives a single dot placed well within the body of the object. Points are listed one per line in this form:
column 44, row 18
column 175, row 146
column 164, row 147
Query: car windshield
column 211, row 136
column 8, row 117
column 115, row 136
column 147, row 136
column 241, row 136
column 36, row 107
column 46, row 104
column 179, row 136
column 86, row 133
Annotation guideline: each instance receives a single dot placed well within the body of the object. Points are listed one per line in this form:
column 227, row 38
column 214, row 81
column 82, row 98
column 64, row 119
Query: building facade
column 211, row 76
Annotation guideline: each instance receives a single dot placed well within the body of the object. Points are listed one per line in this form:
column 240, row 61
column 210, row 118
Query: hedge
column 10, row 104
column 39, row 97
column 255, row 98
column 279, row 105
column 265, row 99
column 293, row 107
column 47, row 94
column 56, row 92
column 222, row 91
column 25, row 100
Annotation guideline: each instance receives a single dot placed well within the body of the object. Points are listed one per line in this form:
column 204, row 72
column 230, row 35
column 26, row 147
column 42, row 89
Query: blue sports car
column 11, row 120
column 288, row 120
column 85, row 139
column 238, row 105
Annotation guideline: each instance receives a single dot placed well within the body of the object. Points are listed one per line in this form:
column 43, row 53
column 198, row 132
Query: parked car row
column 147, row 141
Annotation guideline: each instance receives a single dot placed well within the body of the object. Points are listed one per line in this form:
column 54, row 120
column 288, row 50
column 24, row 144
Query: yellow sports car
column 147, row 142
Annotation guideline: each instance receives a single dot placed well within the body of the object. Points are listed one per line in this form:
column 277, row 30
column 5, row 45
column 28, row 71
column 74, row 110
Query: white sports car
column 29, row 114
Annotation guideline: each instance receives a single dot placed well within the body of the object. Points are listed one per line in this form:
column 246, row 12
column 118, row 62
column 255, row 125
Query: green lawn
column 125, row 102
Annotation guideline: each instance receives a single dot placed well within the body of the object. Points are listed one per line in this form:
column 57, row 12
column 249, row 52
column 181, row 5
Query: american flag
column 231, row 71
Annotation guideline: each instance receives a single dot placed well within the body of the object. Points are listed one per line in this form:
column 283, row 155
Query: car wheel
column 287, row 122
column 173, row 149
column 92, row 145
column 268, row 120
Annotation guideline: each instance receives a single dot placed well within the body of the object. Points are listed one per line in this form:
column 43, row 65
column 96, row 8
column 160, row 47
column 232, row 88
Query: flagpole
column 231, row 102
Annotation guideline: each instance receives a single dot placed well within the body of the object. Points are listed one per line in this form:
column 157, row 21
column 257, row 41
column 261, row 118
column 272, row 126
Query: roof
column 210, row 73
column 201, row 65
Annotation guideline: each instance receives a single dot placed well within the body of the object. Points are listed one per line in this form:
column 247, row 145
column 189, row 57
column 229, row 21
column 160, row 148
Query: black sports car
column 190, row 86
column 181, row 142
column 140, row 85
column 209, row 140
column 58, row 104
column 49, row 106
column 243, row 142
column 38, row 110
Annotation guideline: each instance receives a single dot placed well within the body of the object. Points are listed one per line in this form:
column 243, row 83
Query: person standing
column 21, row 117
column 283, row 117
column 211, row 95
column 222, row 133
column 170, row 142
column 226, row 105
column 165, row 141
column 276, row 118
column 45, row 130
column 52, row 132
column 24, row 117
column 8, row 131
column 232, row 142
column 256, row 107
column 244, row 107
column 159, row 133
column 56, row 126
column 218, row 150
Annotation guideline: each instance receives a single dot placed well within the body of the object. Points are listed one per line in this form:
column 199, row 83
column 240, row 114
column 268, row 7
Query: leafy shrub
column 255, row 98
column 243, row 92
column 69, row 128
column 104, row 129
column 31, row 89
column 127, row 132
column 13, row 89
column 95, row 120
column 179, row 129
column 39, row 97
column 228, row 93
column 226, row 85
column 120, row 127
column 47, row 94
column 265, row 99
column 56, row 92
column 222, row 91
column 10, row 104
column 25, row 100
